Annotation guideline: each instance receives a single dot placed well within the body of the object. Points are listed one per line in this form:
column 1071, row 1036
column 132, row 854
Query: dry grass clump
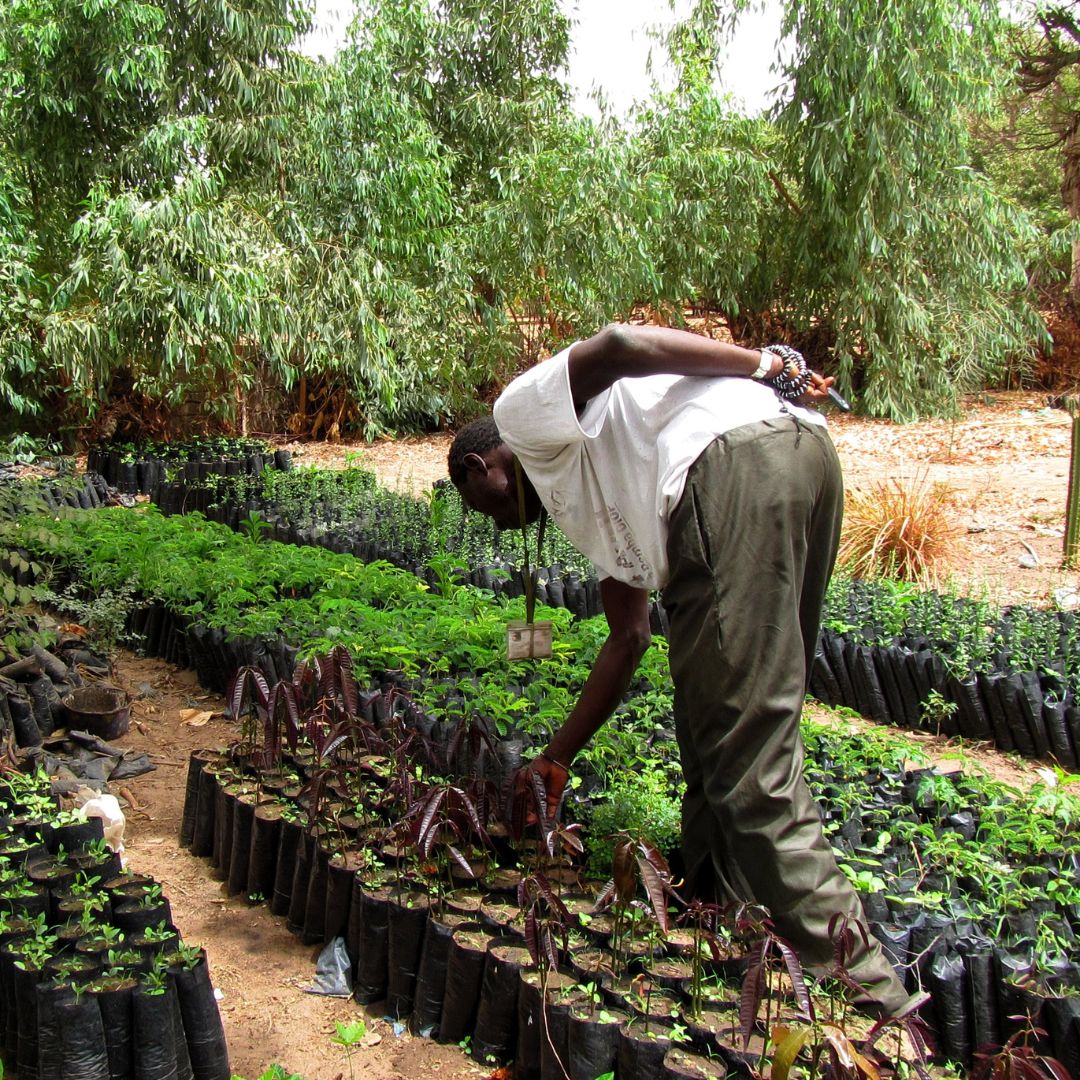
column 899, row 528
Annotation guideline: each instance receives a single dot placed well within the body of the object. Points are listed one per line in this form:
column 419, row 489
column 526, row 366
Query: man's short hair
column 477, row 437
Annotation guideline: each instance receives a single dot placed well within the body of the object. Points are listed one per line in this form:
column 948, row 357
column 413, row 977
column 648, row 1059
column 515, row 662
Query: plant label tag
column 528, row 641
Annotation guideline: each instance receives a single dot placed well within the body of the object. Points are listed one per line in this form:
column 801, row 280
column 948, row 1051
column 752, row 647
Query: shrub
column 900, row 528
column 642, row 804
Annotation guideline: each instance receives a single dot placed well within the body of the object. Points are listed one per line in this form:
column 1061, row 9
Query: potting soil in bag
column 26, row 981
column 407, row 921
column 682, row 1064
column 464, row 975
column 592, row 1041
column 117, row 1015
column 979, row 968
column 947, row 980
column 1057, row 729
column 183, row 1057
column 554, row 1048
column 154, row 1034
column 240, row 847
column 314, row 926
column 894, row 940
column 1061, row 1015
column 47, row 996
column 204, row 1033
column 1031, row 704
column 641, row 1053
column 1017, row 1005
column 495, row 1032
column 290, row 836
column 298, row 892
column 202, row 836
column 352, row 930
column 431, row 975
column 372, row 948
column 82, row 1040
column 340, row 874
column 262, row 860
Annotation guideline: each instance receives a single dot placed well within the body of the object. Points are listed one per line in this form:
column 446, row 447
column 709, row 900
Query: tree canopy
column 191, row 207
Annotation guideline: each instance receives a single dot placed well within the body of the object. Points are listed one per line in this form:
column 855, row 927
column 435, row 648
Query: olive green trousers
column 751, row 545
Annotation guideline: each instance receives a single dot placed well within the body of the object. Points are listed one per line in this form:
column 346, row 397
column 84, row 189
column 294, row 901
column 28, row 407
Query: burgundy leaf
column 1055, row 1068
column 795, row 973
column 461, row 860
column 550, row 950
column 531, row 936
column 623, row 871
column 654, row 889
column 431, row 808
column 607, row 894
column 653, row 857
column 753, row 988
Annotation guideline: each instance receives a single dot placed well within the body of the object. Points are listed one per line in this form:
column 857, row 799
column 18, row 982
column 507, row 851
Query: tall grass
column 899, row 528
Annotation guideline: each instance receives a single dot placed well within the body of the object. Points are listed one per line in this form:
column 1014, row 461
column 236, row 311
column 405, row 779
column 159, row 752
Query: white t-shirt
column 611, row 476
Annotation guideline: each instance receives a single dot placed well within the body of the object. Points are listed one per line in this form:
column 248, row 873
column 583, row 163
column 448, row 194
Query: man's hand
column 552, row 776
column 817, row 393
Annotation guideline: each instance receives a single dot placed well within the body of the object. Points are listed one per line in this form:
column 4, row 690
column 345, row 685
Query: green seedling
column 348, row 1036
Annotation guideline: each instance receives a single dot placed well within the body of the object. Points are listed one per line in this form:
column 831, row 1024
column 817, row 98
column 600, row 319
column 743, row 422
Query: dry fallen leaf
column 195, row 717
column 73, row 628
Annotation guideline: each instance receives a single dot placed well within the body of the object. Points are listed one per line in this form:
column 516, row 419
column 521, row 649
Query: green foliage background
column 189, row 203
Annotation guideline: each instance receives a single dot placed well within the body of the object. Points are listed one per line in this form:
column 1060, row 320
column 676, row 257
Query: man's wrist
column 552, row 760
column 766, row 363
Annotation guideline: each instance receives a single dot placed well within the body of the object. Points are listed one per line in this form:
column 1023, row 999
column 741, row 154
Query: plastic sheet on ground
column 333, row 971
column 77, row 759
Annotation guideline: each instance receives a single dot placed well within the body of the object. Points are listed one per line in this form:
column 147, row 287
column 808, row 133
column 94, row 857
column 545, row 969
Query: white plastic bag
column 106, row 807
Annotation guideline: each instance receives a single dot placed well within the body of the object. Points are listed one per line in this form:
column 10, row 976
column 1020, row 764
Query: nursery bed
column 266, row 1014
column 1006, row 458
column 257, row 964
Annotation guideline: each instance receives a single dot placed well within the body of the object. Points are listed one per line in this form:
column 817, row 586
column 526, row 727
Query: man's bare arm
column 620, row 352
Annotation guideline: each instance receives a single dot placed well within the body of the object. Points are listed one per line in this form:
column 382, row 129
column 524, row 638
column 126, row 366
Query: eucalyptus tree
column 545, row 220
column 499, row 73
column 894, row 242
column 702, row 170
column 22, row 289
column 132, row 131
column 378, row 284
column 1048, row 55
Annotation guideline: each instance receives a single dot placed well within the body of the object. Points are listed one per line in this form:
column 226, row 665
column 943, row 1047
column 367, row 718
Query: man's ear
column 474, row 463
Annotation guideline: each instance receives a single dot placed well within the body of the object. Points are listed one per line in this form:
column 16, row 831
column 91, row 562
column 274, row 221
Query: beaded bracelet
column 793, row 379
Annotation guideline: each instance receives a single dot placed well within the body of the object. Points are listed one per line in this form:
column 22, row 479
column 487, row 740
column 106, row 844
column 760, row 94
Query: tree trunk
column 1070, row 193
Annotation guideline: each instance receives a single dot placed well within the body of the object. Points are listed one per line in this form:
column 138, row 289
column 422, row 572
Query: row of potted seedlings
column 889, row 678
column 450, row 960
column 960, row 896
column 95, row 981
column 145, row 468
column 348, row 828
column 374, row 524
column 1026, row 712
column 906, row 679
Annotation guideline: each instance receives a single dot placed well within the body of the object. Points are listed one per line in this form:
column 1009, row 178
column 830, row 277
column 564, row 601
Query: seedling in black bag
column 1018, row 1060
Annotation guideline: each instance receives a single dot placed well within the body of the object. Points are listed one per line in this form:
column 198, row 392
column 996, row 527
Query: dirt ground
column 1006, row 464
